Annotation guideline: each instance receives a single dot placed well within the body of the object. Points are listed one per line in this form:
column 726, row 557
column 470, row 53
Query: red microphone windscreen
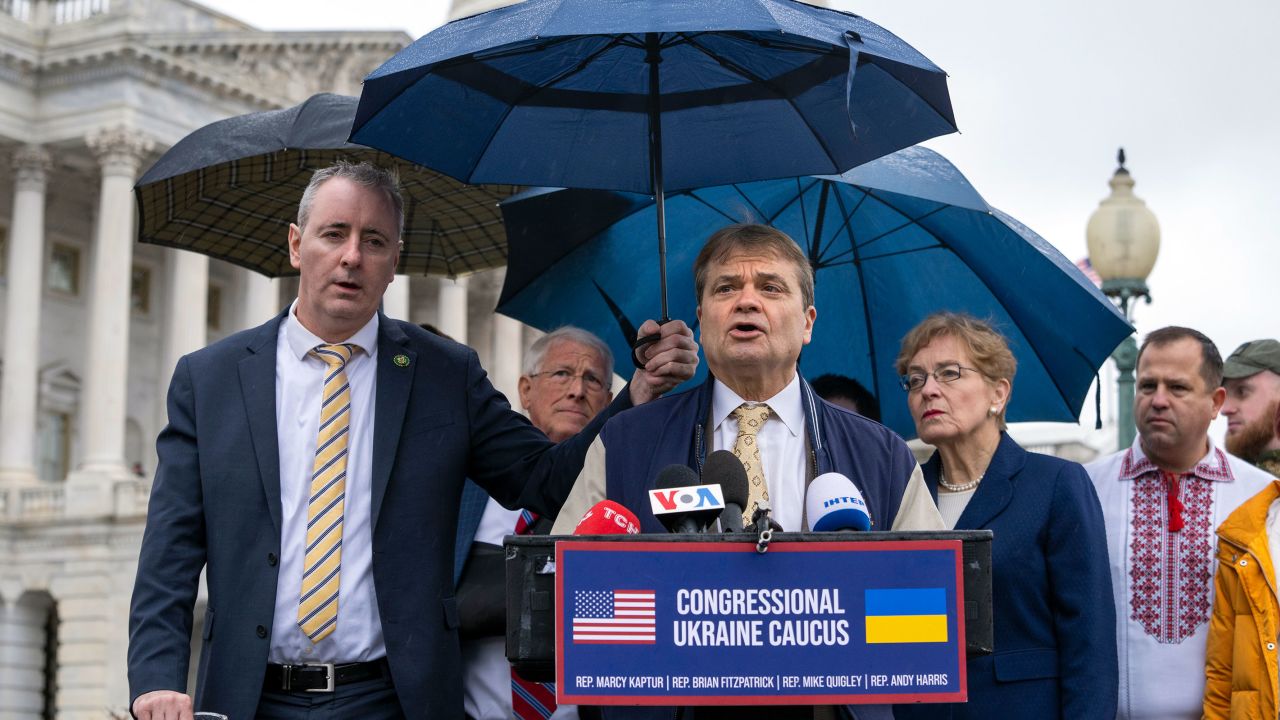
column 608, row 518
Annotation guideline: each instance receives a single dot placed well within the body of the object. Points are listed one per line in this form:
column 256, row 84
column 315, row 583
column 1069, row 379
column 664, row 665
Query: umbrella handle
column 646, row 340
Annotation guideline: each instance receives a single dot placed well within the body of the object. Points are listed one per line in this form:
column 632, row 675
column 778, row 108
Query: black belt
column 322, row 677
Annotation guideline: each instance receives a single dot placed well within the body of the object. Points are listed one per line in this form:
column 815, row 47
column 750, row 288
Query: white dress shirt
column 299, row 385
column 781, row 442
column 486, row 672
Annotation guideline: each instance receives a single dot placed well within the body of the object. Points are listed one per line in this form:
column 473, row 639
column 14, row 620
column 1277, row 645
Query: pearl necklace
column 966, row 487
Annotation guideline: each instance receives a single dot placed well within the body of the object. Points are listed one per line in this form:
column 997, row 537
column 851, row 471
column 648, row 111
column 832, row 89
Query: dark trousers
column 368, row 700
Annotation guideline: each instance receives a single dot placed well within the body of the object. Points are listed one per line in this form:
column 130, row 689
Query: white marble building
column 91, row 93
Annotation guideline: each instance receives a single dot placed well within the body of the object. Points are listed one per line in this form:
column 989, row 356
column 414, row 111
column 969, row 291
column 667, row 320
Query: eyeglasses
column 912, row 382
column 563, row 378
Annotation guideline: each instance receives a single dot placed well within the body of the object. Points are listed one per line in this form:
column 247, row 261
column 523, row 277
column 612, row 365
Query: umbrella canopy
column 890, row 241
column 645, row 95
column 230, row 189
column 559, row 93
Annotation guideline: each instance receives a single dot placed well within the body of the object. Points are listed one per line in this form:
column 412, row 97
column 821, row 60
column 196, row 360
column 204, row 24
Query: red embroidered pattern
column 1169, row 572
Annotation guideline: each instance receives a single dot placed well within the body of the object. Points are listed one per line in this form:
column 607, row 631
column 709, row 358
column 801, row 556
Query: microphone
column 681, row 503
column 833, row 502
column 608, row 518
column 724, row 469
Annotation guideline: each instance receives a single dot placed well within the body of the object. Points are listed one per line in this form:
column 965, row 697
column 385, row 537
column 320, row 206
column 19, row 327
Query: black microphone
column 682, row 503
column 724, row 468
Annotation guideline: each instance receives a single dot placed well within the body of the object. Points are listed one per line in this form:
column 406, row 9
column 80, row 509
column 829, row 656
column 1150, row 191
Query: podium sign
column 814, row 623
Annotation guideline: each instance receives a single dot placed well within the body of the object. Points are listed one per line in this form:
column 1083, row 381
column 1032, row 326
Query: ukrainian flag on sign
column 907, row 615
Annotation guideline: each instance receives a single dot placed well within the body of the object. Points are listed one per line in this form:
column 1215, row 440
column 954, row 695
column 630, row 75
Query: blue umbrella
column 642, row 95
column 891, row 241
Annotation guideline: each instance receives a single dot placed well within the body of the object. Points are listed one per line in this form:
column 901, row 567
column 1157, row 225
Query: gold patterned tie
column 750, row 420
column 318, row 599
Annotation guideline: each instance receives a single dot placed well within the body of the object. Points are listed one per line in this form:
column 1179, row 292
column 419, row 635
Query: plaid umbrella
column 230, row 189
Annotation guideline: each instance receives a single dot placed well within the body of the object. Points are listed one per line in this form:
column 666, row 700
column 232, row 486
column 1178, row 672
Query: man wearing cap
column 1251, row 376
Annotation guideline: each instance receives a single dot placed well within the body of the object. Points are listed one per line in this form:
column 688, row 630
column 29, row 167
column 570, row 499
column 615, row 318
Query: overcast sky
column 1044, row 94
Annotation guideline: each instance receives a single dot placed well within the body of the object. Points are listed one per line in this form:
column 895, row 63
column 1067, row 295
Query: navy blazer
column 215, row 504
column 1055, row 625
column 470, row 511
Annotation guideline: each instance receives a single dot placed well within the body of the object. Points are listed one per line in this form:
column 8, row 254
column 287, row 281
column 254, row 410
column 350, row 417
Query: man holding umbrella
column 312, row 468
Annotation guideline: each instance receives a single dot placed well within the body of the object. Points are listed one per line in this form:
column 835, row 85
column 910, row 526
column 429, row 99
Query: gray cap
column 1252, row 358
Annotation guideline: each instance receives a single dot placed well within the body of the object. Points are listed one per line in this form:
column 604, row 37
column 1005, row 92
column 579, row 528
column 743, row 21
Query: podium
column 531, row 580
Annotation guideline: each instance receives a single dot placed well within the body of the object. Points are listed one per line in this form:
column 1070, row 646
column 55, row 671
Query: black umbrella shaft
column 653, row 56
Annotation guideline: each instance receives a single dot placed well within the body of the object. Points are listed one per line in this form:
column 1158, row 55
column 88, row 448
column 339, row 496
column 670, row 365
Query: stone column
column 22, row 656
column 120, row 152
column 453, row 309
column 261, row 299
column 395, row 301
column 24, row 270
column 508, row 356
column 186, row 311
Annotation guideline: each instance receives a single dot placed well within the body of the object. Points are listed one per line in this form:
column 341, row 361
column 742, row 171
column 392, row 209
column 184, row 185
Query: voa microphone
column 682, row 503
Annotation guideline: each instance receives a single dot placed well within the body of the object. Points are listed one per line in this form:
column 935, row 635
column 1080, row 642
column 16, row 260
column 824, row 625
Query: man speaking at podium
column 755, row 308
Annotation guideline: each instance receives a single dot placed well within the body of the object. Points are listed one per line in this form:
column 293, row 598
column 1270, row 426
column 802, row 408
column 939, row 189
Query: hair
column 435, row 331
column 362, row 173
column 832, row 385
column 1210, row 358
column 758, row 238
column 986, row 347
column 538, row 350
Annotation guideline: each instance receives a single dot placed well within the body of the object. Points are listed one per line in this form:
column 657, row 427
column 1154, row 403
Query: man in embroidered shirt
column 1251, row 377
column 1161, row 499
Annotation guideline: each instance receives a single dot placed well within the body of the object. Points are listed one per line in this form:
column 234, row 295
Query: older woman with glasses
column 1055, row 637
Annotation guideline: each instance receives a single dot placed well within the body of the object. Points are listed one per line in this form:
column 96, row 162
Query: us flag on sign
column 614, row 617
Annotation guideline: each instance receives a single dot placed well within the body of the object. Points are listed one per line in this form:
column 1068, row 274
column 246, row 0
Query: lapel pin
column 401, row 360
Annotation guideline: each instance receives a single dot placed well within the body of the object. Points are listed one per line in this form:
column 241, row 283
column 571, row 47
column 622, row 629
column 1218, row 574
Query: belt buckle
column 287, row 678
column 328, row 677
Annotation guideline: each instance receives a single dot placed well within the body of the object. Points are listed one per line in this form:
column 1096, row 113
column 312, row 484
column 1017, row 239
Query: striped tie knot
column 335, row 356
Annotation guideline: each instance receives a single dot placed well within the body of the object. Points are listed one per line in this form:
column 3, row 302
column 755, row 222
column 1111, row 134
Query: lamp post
column 1124, row 239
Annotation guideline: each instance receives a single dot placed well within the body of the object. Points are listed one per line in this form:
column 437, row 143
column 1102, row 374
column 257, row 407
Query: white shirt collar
column 302, row 341
column 787, row 405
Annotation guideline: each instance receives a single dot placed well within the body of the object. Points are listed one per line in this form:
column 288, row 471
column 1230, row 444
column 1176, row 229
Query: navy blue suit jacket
column 1055, row 625
column 215, row 504
column 470, row 511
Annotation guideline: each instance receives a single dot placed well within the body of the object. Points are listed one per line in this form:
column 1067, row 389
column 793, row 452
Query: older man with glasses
column 566, row 382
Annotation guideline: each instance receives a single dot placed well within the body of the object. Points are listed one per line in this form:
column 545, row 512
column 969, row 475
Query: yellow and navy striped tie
column 322, row 562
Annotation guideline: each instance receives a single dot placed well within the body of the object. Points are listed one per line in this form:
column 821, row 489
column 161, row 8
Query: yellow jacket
column 1240, row 664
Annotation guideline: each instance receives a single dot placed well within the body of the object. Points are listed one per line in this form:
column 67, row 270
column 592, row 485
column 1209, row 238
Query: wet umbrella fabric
column 649, row 95
column 230, row 189
column 891, row 241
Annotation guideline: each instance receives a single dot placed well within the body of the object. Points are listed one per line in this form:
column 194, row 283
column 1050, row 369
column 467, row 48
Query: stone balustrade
column 56, row 12
column 48, row 503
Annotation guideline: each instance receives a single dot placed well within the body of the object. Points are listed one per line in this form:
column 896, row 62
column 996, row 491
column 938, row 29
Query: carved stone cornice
column 31, row 166
column 266, row 69
column 120, row 150
column 289, row 67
